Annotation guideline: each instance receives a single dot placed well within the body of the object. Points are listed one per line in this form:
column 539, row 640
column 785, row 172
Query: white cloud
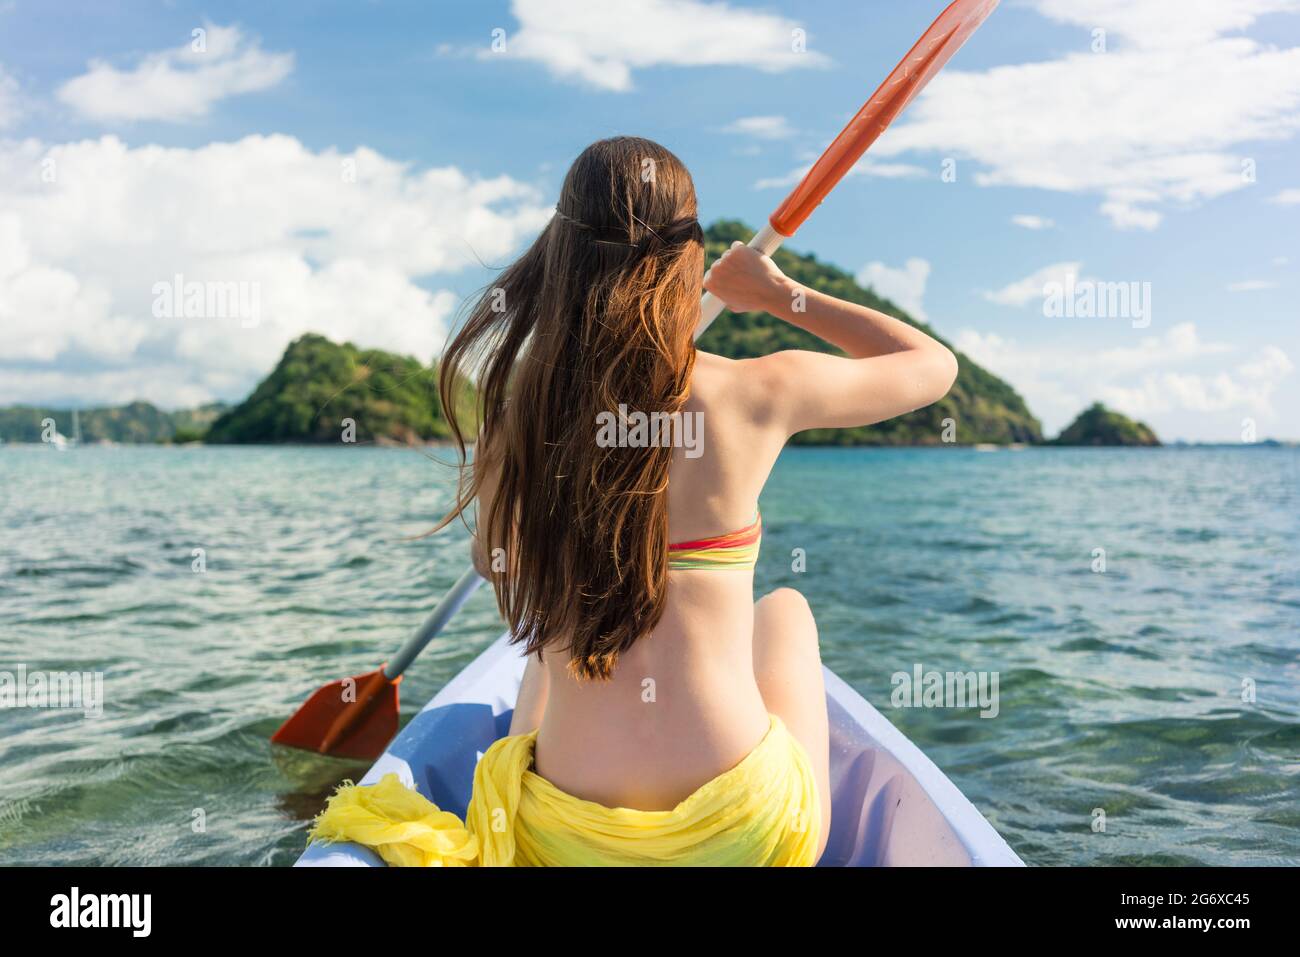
column 1149, row 379
column 1034, row 371
column 1125, row 215
column 1029, row 221
column 1248, row 388
column 872, row 167
column 327, row 252
column 178, row 84
column 1272, row 363
column 1165, row 118
column 1149, row 25
column 1024, row 291
column 865, row 167
column 1182, row 343
column 1251, row 285
column 778, row 182
column 601, row 42
column 1288, row 197
column 762, row 127
column 905, row 287
column 167, row 384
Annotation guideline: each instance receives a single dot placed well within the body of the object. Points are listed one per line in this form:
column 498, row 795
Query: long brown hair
column 599, row 312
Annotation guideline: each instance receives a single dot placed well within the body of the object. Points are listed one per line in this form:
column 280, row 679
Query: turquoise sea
column 1164, row 690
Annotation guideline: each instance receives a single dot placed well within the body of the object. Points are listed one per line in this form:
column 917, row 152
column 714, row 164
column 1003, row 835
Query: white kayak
column 891, row 805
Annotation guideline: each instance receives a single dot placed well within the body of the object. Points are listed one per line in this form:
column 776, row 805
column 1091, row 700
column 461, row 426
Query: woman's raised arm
column 890, row 368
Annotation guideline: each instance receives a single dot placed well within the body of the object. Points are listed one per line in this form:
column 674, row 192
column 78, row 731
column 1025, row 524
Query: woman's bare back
column 683, row 704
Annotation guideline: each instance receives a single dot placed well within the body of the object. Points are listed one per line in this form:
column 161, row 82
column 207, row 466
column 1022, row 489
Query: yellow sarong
column 763, row 812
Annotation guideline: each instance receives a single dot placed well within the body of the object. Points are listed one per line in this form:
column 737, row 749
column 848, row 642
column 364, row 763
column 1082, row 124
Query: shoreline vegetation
column 321, row 392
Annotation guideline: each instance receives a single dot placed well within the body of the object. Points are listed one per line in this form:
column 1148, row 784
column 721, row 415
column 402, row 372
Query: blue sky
column 1151, row 143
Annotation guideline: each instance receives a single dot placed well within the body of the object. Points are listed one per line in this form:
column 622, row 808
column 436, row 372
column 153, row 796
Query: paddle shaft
column 926, row 58
column 456, row 596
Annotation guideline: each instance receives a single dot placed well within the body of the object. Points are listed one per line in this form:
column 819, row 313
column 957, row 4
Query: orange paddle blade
column 353, row 717
column 935, row 48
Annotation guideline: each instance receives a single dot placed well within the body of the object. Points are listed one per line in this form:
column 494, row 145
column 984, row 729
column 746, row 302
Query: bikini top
column 732, row 551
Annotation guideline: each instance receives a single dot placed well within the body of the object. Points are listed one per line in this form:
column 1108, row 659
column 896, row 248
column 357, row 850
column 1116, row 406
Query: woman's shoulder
column 751, row 370
column 720, row 373
column 743, row 387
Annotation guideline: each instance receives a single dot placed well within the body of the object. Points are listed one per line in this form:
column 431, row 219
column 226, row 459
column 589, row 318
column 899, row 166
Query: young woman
column 665, row 717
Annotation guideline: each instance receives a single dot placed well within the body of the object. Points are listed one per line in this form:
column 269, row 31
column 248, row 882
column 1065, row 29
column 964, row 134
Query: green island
column 136, row 422
column 323, row 392
column 1098, row 425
